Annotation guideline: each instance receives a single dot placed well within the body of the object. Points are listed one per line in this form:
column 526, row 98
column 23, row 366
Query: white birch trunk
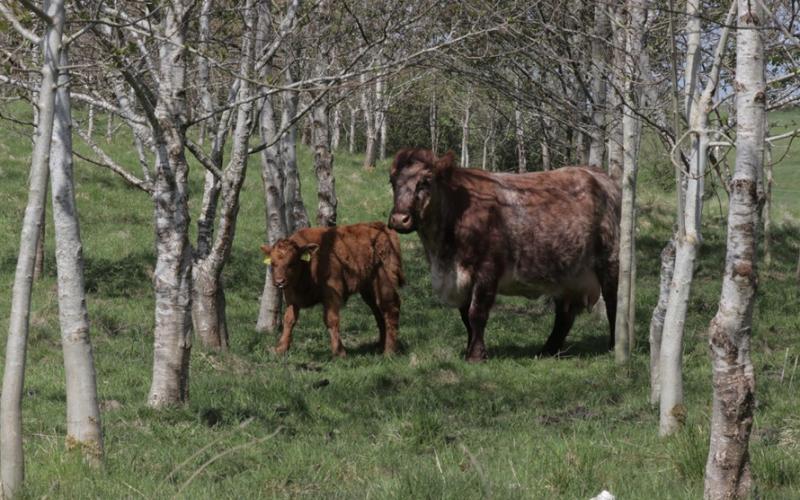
column 12, row 465
column 38, row 265
column 657, row 319
column 465, row 132
column 615, row 101
column 367, row 103
column 297, row 217
column 90, row 124
column 767, row 209
column 728, row 472
column 273, row 178
column 380, row 117
column 336, row 133
column 323, row 168
column 351, row 137
column 208, row 301
column 519, row 132
column 434, row 123
column 602, row 29
column 172, row 339
column 83, row 412
column 672, row 412
column 624, row 330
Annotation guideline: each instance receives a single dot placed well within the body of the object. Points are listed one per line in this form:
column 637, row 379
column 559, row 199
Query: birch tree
column 208, row 301
column 11, row 452
column 698, row 103
column 728, row 472
column 83, row 413
column 631, row 132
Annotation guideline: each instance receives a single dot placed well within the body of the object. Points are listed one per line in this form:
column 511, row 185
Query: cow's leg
column 565, row 317
column 389, row 304
column 481, row 303
column 331, row 316
column 289, row 319
column 369, row 299
column 464, row 310
column 610, row 298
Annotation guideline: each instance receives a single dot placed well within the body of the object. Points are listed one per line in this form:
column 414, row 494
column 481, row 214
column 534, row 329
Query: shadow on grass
column 122, row 277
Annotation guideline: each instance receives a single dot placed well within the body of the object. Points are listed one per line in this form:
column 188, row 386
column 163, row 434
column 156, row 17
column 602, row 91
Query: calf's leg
column 331, row 317
column 369, row 299
column 565, row 317
column 389, row 304
column 464, row 310
column 289, row 320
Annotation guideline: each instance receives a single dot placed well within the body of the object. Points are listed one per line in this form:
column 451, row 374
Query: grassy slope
column 422, row 424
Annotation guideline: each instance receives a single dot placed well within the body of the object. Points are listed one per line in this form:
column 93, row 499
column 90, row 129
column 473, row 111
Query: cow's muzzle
column 279, row 283
column 400, row 222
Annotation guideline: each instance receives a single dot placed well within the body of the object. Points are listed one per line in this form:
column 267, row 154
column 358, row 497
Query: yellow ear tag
column 267, row 260
column 306, row 257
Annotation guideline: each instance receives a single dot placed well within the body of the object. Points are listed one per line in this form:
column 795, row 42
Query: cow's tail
column 387, row 246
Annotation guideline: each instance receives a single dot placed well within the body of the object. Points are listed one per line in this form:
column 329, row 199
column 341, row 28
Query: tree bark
column 172, row 280
column 12, row 465
column 767, row 208
column 351, row 137
column 519, row 133
column 38, row 265
column 367, row 104
column 602, row 30
column 465, row 132
column 728, row 472
column 434, row 123
column 273, row 178
column 657, row 319
column 672, row 412
column 631, row 127
column 323, row 168
column 208, row 304
column 615, row 100
column 380, row 116
column 83, row 412
column 297, row 216
column 336, row 133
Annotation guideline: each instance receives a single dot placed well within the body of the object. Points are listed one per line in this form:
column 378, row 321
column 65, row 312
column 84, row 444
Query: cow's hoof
column 547, row 353
column 478, row 357
column 341, row 353
column 280, row 349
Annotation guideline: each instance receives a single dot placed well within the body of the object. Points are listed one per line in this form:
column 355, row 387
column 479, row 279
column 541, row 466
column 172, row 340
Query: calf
column 328, row 264
column 544, row 233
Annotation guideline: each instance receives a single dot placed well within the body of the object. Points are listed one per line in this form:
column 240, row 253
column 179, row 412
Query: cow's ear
column 308, row 251
column 266, row 249
column 444, row 165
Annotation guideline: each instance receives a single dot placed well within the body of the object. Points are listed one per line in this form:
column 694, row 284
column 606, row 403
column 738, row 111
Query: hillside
column 422, row 424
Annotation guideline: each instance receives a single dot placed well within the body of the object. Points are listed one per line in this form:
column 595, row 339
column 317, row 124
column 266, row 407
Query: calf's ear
column 308, row 251
column 266, row 249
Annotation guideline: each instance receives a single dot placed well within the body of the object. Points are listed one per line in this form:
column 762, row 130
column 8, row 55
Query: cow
column 328, row 264
column 553, row 233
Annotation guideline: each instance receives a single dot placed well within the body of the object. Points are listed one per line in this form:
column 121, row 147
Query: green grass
column 422, row 424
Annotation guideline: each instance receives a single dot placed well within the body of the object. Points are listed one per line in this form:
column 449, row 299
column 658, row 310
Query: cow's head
column 287, row 259
column 413, row 177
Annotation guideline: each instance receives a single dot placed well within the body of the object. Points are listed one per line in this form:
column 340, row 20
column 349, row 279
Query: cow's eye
column 423, row 184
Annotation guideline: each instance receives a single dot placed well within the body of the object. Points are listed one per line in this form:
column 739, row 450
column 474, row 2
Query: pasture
column 422, row 424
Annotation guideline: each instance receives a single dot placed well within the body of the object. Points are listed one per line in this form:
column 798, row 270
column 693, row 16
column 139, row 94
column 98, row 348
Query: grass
column 422, row 424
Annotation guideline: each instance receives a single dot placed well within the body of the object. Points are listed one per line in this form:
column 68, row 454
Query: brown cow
column 328, row 264
column 550, row 233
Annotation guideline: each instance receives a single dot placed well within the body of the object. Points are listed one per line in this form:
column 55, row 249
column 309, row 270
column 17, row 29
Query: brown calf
column 550, row 233
column 328, row 264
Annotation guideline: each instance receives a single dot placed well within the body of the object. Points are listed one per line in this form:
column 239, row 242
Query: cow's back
column 349, row 256
column 547, row 231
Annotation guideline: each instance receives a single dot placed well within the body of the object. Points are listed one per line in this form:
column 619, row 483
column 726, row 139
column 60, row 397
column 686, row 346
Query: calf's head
column 287, row 260
column 413, row 177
